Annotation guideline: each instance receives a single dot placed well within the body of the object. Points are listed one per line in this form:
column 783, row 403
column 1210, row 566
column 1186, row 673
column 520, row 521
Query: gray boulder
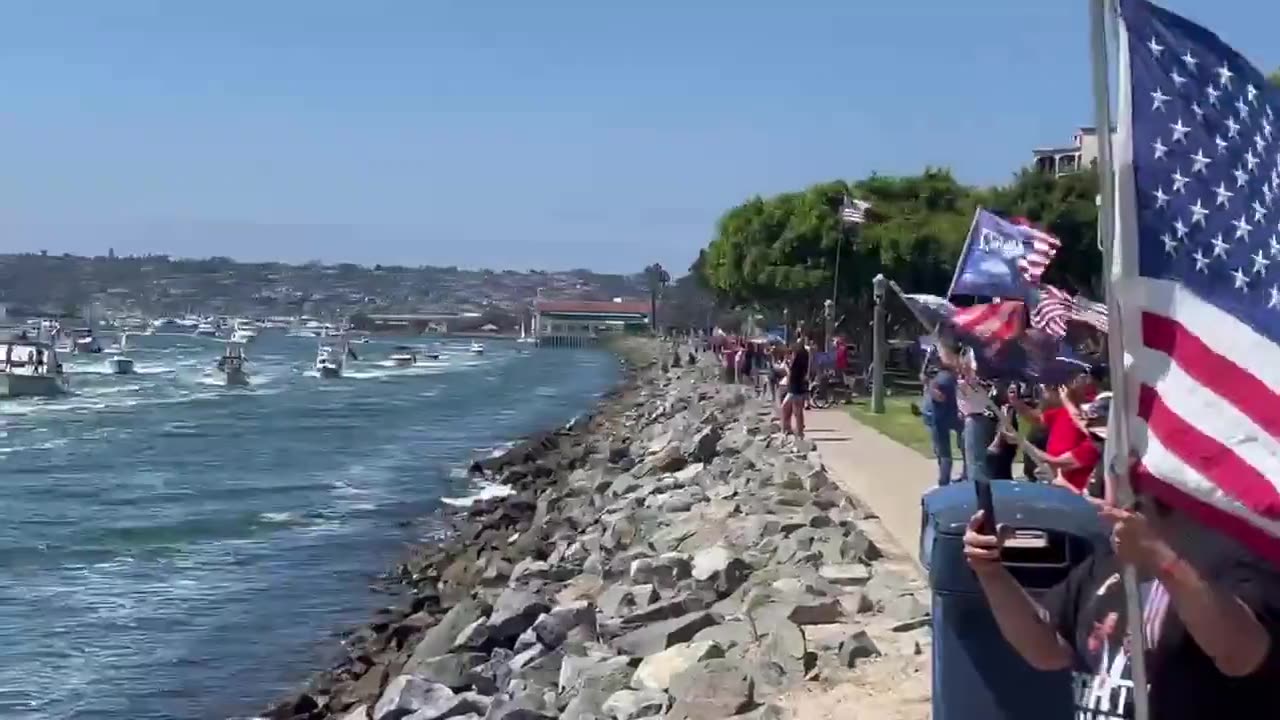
column 441, row 638
column 406, row 695
column 453, row 670
column 634, row 704
column 657, row 670
column 661, row 635
column 514, row 612
column 714, row 689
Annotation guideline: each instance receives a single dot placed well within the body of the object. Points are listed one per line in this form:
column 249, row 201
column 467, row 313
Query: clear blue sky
column 550, row 134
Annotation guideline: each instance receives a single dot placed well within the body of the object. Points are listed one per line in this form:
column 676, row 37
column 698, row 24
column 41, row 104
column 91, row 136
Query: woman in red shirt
column 1070, row 451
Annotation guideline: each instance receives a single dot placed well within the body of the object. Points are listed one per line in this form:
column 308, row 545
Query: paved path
column 887, row 477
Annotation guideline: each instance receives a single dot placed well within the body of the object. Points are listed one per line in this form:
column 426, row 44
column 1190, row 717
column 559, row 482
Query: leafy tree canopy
column 781, row 251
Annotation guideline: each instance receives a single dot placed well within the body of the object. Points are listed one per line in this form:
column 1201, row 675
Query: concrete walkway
column 886, row 477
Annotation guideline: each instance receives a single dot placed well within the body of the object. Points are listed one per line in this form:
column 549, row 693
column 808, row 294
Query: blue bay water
column 170, row 548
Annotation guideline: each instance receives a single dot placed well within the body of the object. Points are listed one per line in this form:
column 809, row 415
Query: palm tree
column 658, row 279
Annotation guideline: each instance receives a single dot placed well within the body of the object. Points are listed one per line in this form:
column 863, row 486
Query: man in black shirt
column 1211, row 619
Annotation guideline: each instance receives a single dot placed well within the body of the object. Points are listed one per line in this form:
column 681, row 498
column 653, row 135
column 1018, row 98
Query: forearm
column 1024, row 624
column 1222, row 625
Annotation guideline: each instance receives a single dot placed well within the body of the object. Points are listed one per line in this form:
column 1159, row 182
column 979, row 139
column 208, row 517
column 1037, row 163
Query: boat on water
column 244, row 331
column 331, row 358
column 83, row 341
column 476, row 349
column 120, row 363
column 206, row 329
column 403, row 356
column 31, row 369
column 232, row 365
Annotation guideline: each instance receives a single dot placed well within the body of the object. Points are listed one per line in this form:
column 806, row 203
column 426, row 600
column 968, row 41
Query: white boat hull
column 16, row 385
column 121, row 365
column 402, row 361
column 329, row 371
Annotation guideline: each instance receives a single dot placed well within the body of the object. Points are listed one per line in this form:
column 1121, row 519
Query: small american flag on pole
column 1058, row 307
column 1198, row 174
column 853, row 212
column 1043, row 247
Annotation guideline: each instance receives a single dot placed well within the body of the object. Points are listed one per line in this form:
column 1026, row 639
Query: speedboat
column 30, row 369
column 244, row 331
column 206, row 329
column 83, row 341
column 231, row 365
column 329, row 361
column 403, row 356
column 476, row 349
column 121, row 364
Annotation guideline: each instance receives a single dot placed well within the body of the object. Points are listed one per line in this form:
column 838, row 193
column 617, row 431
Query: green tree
column 1274, row 78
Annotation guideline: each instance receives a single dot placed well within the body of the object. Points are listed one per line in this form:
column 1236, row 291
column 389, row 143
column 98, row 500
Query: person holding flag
column 1180, row 617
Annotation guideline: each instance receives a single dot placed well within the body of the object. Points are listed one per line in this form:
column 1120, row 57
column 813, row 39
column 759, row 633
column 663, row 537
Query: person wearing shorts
column 797, row 389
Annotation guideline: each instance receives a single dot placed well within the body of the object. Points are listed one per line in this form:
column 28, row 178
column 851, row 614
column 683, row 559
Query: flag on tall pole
column 1198, row 176
column 853, row 211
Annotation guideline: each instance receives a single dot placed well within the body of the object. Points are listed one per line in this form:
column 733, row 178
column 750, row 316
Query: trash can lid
column 1021, row 504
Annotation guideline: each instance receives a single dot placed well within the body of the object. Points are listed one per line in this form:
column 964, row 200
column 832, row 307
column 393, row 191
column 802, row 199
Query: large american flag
column 1199, row 230
column 1042, row 248
column 992, row 323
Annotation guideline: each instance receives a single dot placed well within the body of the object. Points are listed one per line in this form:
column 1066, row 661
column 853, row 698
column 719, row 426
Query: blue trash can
column 977, row 675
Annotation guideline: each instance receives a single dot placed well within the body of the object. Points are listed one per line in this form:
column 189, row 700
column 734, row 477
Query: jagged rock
column 719, row 568
column 538, row 666
column 632, row 704
column 659, row 636
column 782, row 659
column 494, row 674
column 553, row 628
column 847, row 575
column 622, row 600
column 359, row 712
column 728, row 635
column 857, row 646
column 669, row 459
column 764, row 712
column 702, row 447
column 452, row 670
column 663, row 571
column 440, row 639
column 514, row 612
column 715, row 689
column 657, row 670
column 816, row 611
column 406, row 695
column 681, row 604
column 596, row 673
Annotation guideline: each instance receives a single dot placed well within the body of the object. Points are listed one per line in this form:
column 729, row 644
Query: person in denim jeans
column 942, row 417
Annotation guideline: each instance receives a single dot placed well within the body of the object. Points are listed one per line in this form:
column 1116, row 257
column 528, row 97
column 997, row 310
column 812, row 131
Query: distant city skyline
column 510, row 135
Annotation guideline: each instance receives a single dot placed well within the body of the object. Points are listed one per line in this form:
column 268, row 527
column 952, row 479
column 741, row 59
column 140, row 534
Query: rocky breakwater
column 674, row 556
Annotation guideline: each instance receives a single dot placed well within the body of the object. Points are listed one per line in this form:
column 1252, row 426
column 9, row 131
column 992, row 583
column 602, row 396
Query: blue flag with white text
column 989, row 266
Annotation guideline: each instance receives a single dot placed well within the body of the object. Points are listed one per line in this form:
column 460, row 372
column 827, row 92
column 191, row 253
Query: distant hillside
column 158, row 284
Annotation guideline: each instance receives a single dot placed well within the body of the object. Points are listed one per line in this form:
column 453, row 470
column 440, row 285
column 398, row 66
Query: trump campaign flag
column 1001, row 259
column 1198, row 228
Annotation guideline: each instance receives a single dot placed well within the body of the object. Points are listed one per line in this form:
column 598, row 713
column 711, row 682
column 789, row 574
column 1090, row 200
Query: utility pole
column 878, row 347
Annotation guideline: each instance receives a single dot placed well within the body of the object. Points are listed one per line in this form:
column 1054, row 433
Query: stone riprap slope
column 674, row 556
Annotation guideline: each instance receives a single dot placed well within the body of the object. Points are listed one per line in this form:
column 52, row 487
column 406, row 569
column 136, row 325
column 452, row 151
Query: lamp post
column 878, row 349
column 829, row 315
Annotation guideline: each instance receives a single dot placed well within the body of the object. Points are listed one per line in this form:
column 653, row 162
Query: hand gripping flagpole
column 1108, row 219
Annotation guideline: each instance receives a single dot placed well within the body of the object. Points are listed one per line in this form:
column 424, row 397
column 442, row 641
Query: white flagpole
column 1108, row 219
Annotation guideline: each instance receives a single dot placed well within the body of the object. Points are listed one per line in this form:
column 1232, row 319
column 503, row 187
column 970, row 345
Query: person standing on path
column 942, row 417
column 797, row 389
column 972, row 398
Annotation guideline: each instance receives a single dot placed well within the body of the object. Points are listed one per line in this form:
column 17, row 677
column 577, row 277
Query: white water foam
column 484, row 491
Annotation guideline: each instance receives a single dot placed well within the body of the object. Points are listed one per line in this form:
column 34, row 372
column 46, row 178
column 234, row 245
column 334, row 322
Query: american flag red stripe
column 995, row 322
column 1043, row 247
column 1208, row 413
column 1053, row 311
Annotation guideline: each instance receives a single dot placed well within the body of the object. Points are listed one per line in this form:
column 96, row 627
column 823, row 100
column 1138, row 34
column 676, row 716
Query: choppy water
column 170, row 548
